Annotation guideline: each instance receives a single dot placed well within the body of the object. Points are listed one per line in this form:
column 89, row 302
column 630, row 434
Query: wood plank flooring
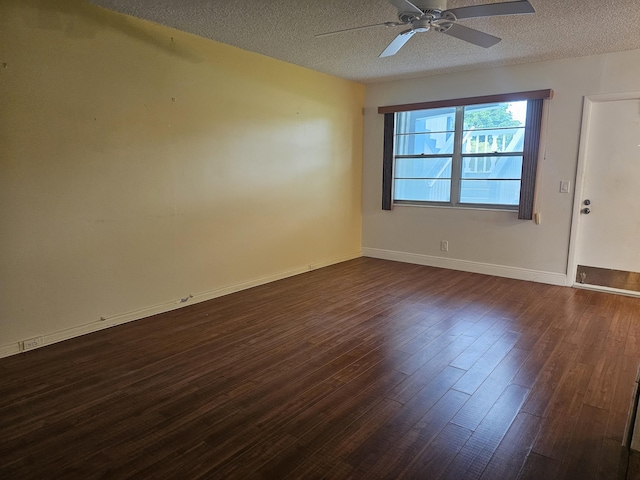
column 366, row 369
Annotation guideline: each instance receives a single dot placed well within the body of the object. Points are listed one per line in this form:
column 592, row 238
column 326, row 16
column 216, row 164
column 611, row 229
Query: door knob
column 587, row 202
column 586, row 211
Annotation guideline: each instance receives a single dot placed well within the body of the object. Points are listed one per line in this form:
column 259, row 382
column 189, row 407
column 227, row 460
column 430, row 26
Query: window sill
column 486, row 208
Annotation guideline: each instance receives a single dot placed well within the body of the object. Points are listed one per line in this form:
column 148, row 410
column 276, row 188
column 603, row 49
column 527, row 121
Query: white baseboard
column 106, row 322
column 468, row 266
column 10, row 349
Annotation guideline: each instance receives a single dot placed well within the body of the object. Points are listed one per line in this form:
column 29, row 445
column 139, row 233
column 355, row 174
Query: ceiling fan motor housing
column 431, row 6
column 432, row 10
column 421, row 25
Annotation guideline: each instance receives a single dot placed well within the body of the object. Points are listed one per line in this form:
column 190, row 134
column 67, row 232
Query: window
column 477, row 152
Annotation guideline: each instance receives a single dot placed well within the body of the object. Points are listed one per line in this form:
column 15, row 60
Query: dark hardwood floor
column 366, row 369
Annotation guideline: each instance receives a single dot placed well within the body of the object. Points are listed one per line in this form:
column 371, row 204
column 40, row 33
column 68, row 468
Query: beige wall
column 493, row 241
column 140, row 165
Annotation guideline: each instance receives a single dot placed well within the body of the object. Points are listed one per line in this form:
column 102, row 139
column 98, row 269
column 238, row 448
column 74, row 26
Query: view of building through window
column 460, row 155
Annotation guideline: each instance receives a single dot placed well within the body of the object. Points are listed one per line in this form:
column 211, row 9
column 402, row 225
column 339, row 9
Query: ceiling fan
column 423, row 15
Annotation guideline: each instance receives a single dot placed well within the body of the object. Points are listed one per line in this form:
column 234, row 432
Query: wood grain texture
column 537, row 467
column 366, row 369
column 512, row 452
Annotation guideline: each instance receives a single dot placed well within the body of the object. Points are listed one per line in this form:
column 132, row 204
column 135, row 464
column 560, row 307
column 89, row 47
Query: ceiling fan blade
column 472, row 36
column 385, row 24
column 406, row 6
column 397, row 43
column 492, row 9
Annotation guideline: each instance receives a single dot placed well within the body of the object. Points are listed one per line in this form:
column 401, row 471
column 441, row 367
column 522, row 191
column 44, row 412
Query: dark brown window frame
column 535, row 99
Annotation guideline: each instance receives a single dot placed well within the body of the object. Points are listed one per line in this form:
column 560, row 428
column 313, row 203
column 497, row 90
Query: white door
column 607, row 252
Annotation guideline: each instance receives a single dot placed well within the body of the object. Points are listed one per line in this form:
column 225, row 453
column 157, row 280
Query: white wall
column 485, row 241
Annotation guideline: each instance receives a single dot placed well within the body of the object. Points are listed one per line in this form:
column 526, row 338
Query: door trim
column 572, row 264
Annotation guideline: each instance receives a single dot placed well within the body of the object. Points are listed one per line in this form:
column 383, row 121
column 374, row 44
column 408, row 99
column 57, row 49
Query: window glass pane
column 500, row 140
column 423, row 168
column 422, row 190
column 495, row 115
column 491, row 167
column 487, row 151
column 425, row 143
column 494, row 127
column 425, row 121
column 491, row 192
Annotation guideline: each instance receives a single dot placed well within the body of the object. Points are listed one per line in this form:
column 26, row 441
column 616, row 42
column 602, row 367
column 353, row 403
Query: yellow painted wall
column 139, row 164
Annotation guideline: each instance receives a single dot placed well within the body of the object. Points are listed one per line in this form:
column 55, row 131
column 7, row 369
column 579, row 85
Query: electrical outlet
column 32, row 343
column 444, row 245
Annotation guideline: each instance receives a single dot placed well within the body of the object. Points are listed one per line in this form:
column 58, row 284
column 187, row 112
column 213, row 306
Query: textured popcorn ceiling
column 285, row 29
